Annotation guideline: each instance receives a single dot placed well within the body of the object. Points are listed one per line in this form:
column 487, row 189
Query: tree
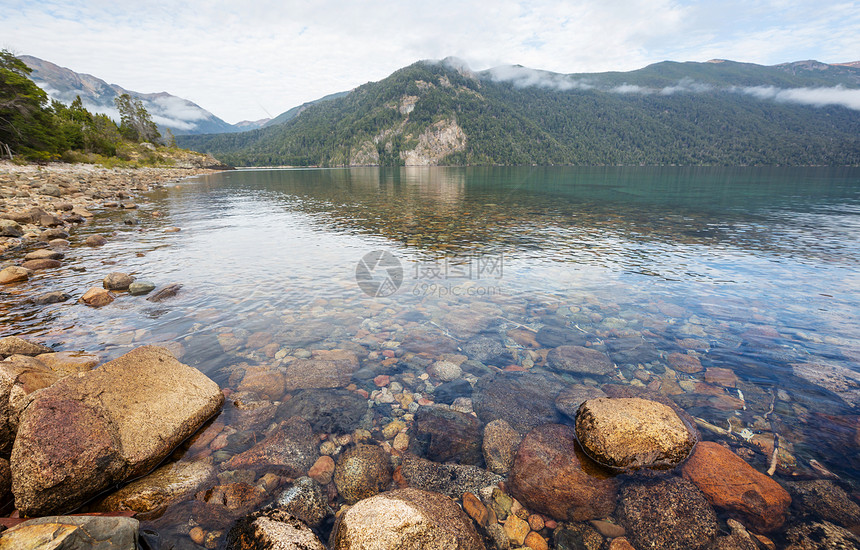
column 25, row 121
column 135, row 122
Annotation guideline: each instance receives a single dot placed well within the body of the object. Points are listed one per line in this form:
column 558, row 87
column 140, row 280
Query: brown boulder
column 552, row 475
column 95, row 240
column 405, row 519
column 117, row 281
column 14, row 274
column 117, row 421
column 36, row 265
column 633, row 433
column 729, row 482
column 97, row 297
column 44, row 254
column 443, row 435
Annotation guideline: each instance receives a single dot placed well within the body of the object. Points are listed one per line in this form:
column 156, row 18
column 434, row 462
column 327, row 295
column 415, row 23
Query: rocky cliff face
column 435, row 143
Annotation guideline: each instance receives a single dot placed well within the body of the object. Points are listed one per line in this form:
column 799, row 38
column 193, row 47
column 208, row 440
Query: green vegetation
column 710, row 123
column 35, row 129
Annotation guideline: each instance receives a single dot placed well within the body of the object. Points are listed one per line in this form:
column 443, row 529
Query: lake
column 734, row 292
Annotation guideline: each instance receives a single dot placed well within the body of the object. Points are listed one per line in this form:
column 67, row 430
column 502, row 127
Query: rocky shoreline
column 294, row 453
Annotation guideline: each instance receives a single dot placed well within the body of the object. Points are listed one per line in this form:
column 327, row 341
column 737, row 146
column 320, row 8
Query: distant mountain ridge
column 168, row 111
column 441, row 112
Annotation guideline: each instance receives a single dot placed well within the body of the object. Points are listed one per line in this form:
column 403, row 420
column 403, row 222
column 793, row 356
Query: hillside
column 168, row 111
column 714, row 113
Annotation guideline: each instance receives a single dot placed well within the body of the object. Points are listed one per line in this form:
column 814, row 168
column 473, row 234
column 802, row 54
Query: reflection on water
column 752, row 270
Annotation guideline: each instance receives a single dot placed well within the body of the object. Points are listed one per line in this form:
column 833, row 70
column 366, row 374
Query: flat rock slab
column 580, row 360
column 633, row 433
column 97, row 428
column 405, row 519
column 73, row 533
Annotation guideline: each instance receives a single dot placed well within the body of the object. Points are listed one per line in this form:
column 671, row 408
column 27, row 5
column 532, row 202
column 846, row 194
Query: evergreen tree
column 135, row 122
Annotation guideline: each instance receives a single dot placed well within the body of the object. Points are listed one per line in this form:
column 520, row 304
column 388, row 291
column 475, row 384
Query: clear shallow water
column 753, row 270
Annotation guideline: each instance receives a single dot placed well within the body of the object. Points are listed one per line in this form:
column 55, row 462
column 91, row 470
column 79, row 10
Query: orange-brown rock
column 535, row 542
column 552, row 475
column 476, row 510
column 684, row 362
column 97, row 297
column 322, row 470
column 69, row 362
column 14, row 274
column 721, row 377
column 729, row 482
column 36, row 265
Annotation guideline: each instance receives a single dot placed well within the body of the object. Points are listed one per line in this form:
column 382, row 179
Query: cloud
column 818, row 97
column 231, row 57
column 523, row 77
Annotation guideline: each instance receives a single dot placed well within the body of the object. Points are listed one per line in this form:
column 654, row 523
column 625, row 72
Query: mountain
column 287, row 116
column 714, row 113
column 168, row 111
column 245, row 125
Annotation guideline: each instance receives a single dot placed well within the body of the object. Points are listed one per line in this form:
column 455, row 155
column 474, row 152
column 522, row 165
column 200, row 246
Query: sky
column 247, row 60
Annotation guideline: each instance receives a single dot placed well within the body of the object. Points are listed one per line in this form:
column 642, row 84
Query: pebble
column 516, row 529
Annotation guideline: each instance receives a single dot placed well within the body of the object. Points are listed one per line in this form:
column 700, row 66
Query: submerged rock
column 729, row 482
column 449, row 479
column 523, row 400
column 318, row 373
column 113, row 423
column 305, row 500
column 633, row 433
column 361, row 472
column 73, row 532
column 272, row 529
column 328, row 410
column 166, row 485
column 500, row 446
column 569, row 400
column 821, row 535
column 667, row 514
column 825, row 499
column 291, row 449
column 51, row 298
column 406, row 519
column 552, row 475
column 443, row 435
column 580, row 360
column 165, row 293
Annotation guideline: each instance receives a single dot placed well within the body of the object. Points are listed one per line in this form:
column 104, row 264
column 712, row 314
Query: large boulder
column 10, row 228
column 14, row 274
column 634, row 433
column 88, row 432
column 306, row 501
column 73, row 533
column 500, row 446
column 19, row 377
column 443, row 435
column 820, row 535
column 552, row 475
column 405, row 519
column 668, row 514
column 825, row 499
column 361, row 472
column 272, row 529
column 730, row 483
